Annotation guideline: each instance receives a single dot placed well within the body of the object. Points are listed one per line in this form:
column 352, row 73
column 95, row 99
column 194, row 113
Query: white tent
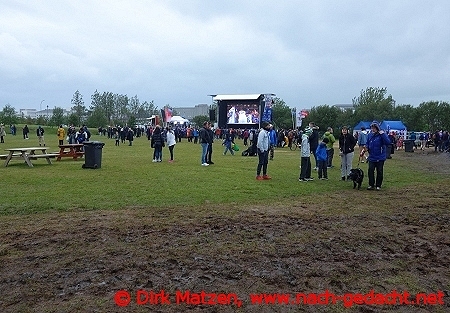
column 178, row 120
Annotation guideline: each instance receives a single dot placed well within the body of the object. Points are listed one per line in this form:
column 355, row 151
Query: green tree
column 58, row 117
column 435, row 115
column 78, row 114
column 8, row 115
column 97, row 118
column 199, row 119
column 323, row 116
column 373, row 104
column 281, row 114
column 410, row 116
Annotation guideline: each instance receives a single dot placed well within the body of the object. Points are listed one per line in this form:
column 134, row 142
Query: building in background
column 189, row 113
column 24, row 113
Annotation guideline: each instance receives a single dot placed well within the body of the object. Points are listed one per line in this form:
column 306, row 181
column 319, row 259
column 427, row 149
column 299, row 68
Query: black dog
column 357, row 176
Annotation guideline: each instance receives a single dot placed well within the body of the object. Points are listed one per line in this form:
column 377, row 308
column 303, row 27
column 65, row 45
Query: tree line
column 373, row 104
column 106, row 108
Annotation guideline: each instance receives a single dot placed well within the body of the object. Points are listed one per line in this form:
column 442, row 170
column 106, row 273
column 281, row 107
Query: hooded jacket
column 331, row 140
column 376, row 145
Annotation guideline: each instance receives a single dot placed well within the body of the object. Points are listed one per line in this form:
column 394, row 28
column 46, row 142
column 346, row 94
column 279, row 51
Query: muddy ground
column 77, row 261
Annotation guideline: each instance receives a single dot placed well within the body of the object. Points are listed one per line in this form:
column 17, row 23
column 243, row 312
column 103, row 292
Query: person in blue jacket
column 377, row 143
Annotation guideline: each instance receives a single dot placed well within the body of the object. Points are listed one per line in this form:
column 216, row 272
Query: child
column 321, row 155
column 305, row 172
column 117, row 137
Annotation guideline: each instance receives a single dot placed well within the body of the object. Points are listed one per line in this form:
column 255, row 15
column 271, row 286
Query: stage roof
column 237, row 97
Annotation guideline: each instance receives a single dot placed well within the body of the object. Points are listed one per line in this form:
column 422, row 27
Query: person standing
column 130, row 136
column 330, row 150
column 171, row 142
column 25, row 131
column 40, row 134
column 346, row 151
column 2, row 133
column 314, row 141
column 305, row 156
column 377, row 141
column 204, row 142
column 81, row 136
column 321, row 157
column 273, row 141
column 210, row 144
column 262, row 146
column 61, row 133
column 157, row 143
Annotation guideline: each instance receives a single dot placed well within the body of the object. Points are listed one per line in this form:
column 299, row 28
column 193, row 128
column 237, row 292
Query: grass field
column 128, row 178
column 72, row 237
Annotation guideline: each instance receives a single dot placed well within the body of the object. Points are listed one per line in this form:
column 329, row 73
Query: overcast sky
column 177, row 52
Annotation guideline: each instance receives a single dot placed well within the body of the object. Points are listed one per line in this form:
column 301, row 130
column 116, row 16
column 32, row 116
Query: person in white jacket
column 262, row 146
column 305, row 153
column 171, row 142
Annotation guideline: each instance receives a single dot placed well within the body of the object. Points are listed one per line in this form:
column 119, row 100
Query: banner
column 267, row 114
column 168, row 114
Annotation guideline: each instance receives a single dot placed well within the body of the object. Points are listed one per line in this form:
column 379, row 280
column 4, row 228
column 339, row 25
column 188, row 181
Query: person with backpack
column 81, row 136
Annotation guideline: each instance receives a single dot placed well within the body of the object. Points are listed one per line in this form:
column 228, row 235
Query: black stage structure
column 242, row 111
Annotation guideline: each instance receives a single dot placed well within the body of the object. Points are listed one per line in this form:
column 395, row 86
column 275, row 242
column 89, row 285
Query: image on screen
column 243, row 114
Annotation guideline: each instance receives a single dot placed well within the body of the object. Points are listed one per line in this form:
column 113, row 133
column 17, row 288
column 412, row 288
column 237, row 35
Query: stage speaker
column 212, row 115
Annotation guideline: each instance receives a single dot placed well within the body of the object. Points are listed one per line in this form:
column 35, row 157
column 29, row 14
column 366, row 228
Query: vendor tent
column 364, row 124
column 396, row 126
column 178, row 120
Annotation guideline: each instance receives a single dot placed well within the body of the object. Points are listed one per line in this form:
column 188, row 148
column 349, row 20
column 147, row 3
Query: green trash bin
column 92, row 154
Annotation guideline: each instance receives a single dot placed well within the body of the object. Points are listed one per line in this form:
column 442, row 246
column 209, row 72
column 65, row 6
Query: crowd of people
column 374, row 145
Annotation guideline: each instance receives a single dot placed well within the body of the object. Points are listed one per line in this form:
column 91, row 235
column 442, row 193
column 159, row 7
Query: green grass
column 128, row 178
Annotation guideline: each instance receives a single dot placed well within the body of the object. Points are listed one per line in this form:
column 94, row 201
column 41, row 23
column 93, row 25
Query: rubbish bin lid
column 96, row 143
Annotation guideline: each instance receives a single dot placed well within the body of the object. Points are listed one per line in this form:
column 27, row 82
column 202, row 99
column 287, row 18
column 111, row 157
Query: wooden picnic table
column 75, row 150
column 28, row 154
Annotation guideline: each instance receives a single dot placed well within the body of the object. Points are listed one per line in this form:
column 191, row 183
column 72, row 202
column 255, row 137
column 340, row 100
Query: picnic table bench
column 74, row 151
column 27, row 154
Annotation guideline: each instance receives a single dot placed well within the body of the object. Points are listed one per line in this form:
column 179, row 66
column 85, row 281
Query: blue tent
column 364, row 124
column 396, row 126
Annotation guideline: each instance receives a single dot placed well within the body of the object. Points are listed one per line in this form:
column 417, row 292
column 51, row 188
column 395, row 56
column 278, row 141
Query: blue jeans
column 157, row 155
column 262, row 164
column 204, row 150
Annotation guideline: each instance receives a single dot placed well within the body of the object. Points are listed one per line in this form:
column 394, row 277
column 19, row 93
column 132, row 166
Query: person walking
column 262, row 146
column 362, row 141
column 40, row 134
column 377, row 141
column 171, row 142
column 204, row 141
column 346, row 151
column 228, row 142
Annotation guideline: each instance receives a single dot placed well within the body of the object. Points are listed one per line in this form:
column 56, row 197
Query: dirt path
column 76, row 262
